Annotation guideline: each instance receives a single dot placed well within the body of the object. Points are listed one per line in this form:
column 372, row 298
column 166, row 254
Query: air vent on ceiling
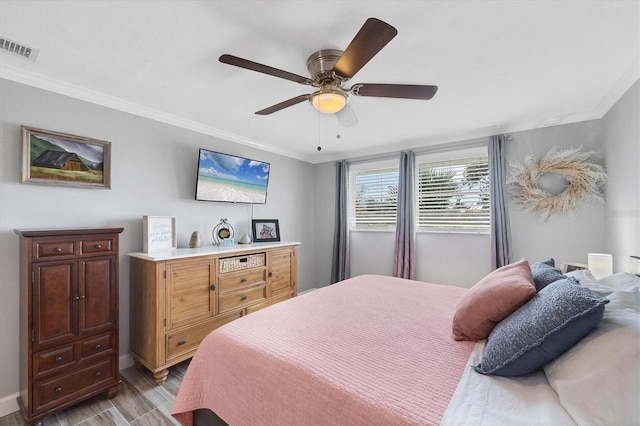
column 19, row 49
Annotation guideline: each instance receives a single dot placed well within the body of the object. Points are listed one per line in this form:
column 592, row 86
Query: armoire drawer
column 48, row 391
column 93, row 246
column 54, row 359
column 97, row 345
column 54, row 249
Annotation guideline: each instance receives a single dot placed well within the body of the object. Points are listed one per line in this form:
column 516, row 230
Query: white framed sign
column 158, row 233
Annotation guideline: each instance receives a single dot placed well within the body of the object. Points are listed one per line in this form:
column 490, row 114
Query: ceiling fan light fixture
column 329, row 101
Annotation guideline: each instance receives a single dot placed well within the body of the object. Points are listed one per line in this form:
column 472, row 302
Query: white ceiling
column 501, row 66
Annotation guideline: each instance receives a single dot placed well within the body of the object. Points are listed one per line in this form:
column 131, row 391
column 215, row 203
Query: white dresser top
column 160, row 255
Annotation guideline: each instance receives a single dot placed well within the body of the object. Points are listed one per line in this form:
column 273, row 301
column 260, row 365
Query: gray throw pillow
column 557, row 318
column 544, row 273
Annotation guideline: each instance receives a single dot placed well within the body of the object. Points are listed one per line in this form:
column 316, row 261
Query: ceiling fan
column 331, row 69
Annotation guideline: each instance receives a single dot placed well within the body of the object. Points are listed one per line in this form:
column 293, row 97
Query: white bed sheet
column 493, row 400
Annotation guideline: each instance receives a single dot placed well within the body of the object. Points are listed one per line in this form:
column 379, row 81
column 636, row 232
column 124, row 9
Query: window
column 373, row 190
column 454, row 194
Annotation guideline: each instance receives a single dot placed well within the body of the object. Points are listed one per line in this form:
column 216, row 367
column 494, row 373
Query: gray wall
column 462, row 259
column 565, row 237
column 153, row 173
column 622, row 147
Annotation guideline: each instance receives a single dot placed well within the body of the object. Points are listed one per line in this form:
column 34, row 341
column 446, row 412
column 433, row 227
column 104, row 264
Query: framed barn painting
column 53, row 158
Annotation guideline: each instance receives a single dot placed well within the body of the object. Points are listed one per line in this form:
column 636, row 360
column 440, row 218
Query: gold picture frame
column 53, row 158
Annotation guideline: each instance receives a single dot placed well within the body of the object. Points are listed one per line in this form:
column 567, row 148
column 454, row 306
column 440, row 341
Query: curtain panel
column 404, row 258
column 340, row 263
column 500, row 226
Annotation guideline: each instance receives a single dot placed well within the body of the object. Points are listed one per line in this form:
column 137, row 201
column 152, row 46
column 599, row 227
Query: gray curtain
column 340, row 269
column 500, row 228
column 404, row 258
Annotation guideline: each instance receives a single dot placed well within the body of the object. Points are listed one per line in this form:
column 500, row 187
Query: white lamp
column 600, row 265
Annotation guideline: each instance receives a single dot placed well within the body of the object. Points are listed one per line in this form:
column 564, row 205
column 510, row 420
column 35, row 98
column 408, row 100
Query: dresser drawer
column 269, row 302
column 53, row 249
column 186, row 341
column 238, row 263
column 91, row 246
column 53, row 360
column 238, row 299
column 51, row 390
column 97, row 345
column 241, row 279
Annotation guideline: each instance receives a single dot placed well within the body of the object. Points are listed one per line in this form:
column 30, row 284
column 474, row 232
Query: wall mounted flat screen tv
column 231, row 179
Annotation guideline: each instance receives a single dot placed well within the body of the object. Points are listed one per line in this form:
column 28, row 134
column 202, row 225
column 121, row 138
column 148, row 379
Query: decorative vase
column 195, row 241
column 245, row 239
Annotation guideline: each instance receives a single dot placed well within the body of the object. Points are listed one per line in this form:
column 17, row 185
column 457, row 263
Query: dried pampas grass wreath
column 585, row 179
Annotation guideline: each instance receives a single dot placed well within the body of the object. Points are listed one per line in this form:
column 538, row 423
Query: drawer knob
column 244, row 280
column 182, row 342
column 97, row 246
column 57, row 250
column 98, row 346
column 97, row 374
column 58, row 359
column 213, row 287
column 270, row 273
column 244, row 297
column 81, row 297
column 75, row 298
column 58, row 389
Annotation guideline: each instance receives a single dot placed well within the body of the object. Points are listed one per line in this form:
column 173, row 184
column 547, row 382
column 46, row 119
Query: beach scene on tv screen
column 232, row 179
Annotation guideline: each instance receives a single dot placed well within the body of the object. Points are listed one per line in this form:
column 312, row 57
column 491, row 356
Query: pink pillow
column 492, row 299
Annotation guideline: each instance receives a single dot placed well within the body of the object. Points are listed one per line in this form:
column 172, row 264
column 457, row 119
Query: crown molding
column 31, row 79
column 22, row 76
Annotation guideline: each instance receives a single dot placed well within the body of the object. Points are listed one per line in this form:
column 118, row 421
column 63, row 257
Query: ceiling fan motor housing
column 320, row 65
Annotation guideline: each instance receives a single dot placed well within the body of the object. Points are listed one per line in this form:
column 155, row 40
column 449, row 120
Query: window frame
column 434, row 156
column 354, row 169
column 451, row 156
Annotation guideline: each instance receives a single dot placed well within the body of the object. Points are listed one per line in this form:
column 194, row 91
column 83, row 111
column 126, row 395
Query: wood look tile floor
column 140, row 402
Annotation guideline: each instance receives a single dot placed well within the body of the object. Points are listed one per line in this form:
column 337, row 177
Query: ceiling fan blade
column 372, row 37
column 347, row 117
column 403, row 91
column 265, row 69
column 283, row 105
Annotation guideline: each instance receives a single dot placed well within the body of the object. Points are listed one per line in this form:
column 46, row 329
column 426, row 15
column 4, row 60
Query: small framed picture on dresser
column 265, row 230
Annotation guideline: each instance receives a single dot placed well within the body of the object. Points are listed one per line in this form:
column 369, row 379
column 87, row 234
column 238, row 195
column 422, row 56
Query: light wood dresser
column 179, row 296
column 68, row 318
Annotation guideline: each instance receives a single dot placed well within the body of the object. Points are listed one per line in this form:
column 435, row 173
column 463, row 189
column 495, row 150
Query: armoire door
column 55, row 307
column 98, row 295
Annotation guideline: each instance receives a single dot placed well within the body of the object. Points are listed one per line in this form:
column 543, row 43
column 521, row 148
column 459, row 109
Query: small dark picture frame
column 265, row 230
column 571, row 266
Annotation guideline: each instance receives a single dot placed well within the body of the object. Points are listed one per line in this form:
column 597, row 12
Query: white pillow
column 598, row 380
column 621, row 281
column 586, row 279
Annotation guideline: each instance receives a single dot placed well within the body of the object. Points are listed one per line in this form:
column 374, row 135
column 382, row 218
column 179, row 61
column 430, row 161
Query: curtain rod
column 474, row 143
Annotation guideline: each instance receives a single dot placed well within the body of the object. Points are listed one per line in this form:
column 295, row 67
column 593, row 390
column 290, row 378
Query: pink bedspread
column 369, row 350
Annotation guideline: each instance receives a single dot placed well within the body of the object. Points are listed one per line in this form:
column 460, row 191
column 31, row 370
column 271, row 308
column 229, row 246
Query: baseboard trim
column 125, row 361
column 9, row 403
column 307, row 291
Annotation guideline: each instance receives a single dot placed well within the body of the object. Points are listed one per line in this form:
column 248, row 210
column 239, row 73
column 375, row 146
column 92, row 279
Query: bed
column 380, row 350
